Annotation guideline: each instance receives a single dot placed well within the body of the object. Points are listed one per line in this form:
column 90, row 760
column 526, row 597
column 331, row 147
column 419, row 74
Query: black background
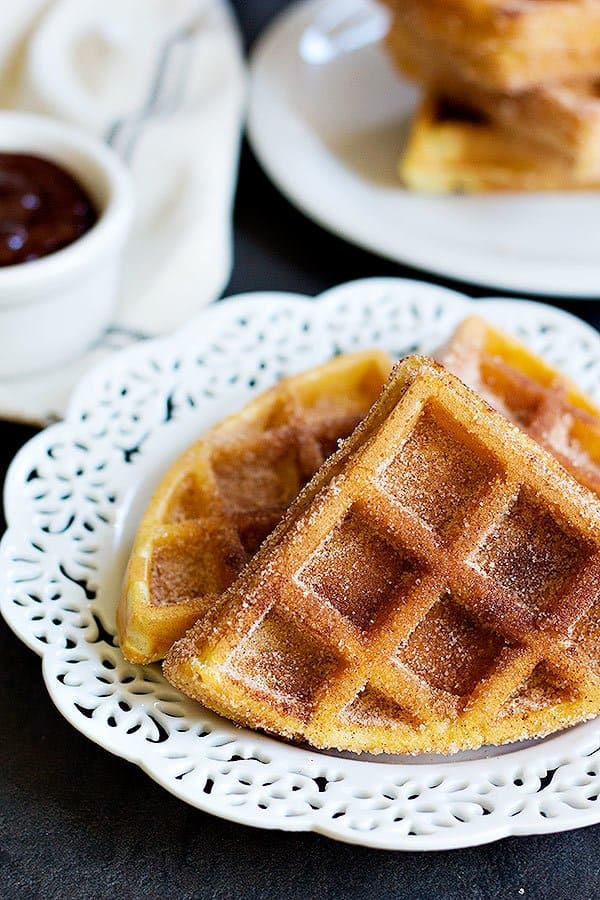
column 77, row 822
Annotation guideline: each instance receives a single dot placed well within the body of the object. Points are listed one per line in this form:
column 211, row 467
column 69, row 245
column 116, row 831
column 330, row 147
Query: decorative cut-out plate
column 74, row 495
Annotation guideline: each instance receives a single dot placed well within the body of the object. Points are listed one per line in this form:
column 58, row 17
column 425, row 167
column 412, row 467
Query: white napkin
column 163, row 82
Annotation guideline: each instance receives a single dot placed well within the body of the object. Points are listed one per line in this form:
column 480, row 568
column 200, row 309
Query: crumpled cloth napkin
column 163, row 82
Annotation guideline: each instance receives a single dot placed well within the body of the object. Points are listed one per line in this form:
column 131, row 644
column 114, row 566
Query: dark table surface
column 78, row 822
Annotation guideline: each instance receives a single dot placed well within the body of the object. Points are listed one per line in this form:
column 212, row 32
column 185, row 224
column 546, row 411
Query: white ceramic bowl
column 52, row 308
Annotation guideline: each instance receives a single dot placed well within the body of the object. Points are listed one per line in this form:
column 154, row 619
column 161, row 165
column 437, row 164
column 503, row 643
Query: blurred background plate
column 329, row 134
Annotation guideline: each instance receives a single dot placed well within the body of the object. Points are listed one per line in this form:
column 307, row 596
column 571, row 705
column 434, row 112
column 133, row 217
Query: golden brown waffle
column 455, row 148
column 529, row 392
column 508, row 45
column 226, row 493
column 436, row 586
column 562, row 119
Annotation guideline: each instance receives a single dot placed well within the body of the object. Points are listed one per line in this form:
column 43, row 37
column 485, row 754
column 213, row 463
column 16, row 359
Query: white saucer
column 329, row 136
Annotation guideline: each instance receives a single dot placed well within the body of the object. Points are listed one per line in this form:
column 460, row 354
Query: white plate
column 330, row 135
column 74, row 496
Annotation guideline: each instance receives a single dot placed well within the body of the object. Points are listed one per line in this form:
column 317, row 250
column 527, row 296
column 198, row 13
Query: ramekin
column 52, row 309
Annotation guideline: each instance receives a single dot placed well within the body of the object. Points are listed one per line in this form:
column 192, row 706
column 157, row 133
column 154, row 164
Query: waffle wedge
column 508, row 45
column 226, row 493
column 529, row 392
column 453, row 148
column 435, row 587
column 563, row 120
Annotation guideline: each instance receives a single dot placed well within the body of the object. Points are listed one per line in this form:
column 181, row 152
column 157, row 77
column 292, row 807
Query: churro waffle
column 452, row 147
column 562, row 119
column 434, row 587
column 529, row 392
column 508, row 45
column 226, row 493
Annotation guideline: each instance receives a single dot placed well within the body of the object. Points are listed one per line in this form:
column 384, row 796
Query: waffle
column 435, row 587
column 226, row 493
column 530, row 393
column 508, row 45
column 454, row 148
column 562, row 119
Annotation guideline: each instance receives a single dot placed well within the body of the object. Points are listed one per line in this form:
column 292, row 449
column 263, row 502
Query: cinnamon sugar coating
column 434, row 587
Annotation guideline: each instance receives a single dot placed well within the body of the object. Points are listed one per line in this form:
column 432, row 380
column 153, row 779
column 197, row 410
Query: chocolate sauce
column 42, row 208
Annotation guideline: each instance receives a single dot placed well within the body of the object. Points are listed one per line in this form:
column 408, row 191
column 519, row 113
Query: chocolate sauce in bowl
column 42, row 208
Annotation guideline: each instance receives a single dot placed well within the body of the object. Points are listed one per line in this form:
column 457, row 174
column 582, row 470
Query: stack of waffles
column 435, row 585
column 512, row 96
